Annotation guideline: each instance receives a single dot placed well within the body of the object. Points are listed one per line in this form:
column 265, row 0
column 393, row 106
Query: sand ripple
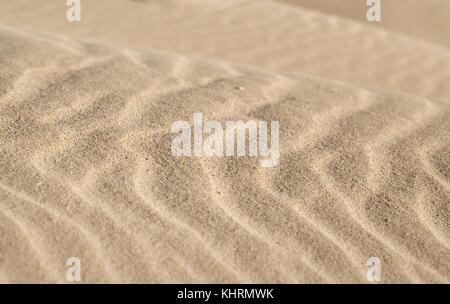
column 86, row 169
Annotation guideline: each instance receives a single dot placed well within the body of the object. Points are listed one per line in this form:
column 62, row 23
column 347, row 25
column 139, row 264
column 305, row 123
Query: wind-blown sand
column 86, row 168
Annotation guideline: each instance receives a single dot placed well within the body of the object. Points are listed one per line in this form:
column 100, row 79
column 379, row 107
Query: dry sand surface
column 86, row 169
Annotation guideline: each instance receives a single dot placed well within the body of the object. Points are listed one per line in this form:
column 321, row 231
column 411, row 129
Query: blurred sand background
column 86, row 168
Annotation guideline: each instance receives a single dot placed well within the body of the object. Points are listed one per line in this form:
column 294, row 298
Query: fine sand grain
column 86, row 168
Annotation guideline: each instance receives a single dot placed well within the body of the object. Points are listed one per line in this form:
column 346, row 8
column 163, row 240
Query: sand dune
column 269, row 34
column 429, row 21
column 86, row 168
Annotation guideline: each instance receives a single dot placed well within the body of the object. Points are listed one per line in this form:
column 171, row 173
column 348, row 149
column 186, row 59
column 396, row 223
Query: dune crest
column 269, row 34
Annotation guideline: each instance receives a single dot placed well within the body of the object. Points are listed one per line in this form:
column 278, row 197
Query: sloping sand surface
column 86, row 168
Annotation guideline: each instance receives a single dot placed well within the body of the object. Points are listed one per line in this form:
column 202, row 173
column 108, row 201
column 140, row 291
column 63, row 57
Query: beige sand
column 86, row 168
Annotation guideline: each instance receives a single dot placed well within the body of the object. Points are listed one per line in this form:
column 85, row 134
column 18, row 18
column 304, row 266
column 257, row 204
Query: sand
column 86, row 169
